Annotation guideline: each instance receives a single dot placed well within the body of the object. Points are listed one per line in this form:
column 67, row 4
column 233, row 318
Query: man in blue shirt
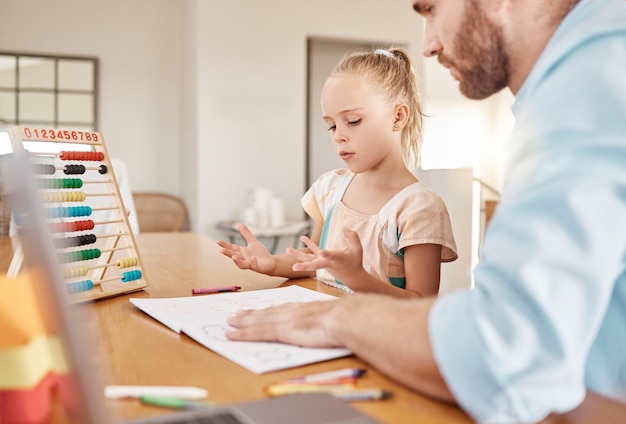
column 546, row 321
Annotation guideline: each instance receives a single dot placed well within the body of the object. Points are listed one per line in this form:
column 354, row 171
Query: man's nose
column 432, row 46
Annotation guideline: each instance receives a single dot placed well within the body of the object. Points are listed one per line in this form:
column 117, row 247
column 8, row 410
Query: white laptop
column 39, row 255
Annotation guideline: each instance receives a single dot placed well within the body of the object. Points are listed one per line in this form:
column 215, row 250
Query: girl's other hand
column 345, row 265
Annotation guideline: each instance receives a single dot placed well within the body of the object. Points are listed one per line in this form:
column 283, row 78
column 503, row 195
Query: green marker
column 174, row 403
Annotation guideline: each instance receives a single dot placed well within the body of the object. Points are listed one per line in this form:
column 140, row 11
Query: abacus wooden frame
column 104, row 263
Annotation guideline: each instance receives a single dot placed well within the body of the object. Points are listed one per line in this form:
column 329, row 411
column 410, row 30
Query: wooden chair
column 160, row 212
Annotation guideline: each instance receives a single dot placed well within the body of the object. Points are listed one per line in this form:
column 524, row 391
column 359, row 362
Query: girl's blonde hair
column 392, row 72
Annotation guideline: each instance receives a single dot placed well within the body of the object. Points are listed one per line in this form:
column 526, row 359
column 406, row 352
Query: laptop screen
column 70, row 389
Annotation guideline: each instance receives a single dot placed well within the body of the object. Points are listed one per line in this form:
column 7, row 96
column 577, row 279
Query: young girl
column 377, row 228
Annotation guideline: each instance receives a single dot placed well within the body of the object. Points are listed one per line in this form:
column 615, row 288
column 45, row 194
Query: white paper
column 203, row 318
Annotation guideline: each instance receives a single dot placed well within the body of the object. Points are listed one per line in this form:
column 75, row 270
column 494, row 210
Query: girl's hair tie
column 384, row 53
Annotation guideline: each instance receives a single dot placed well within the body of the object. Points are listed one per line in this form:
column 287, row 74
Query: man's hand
column 302, row 324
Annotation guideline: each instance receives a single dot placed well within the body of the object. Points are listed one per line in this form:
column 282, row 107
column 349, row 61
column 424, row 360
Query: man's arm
column 390, row 334
column 594, row 409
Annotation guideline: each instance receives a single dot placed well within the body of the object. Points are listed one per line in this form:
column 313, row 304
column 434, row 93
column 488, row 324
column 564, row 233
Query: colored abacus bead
column 72, row 182
column 78, row 271
column 80, row 255
column 70, row 211
column 72, row 196
column 74, row 169
column 68, row 227
column 126, row 262
column 80, row 286
column 131, row 276
column 74, row 241
column 80, row 210
column 60, row 183
column 92, row 156
column 91, row 254
column 43, row 169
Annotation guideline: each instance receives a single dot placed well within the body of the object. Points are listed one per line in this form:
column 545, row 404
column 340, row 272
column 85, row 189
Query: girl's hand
column 254, row 255
column 345, row 265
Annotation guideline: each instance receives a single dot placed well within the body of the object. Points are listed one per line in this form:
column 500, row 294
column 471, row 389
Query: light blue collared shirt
column 547, row 317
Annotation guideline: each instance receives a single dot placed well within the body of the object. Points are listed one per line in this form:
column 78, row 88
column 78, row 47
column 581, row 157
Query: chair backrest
column 160, row 212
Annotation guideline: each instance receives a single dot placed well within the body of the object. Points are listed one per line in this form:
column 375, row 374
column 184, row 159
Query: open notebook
column 203, row 318
column 86, row 405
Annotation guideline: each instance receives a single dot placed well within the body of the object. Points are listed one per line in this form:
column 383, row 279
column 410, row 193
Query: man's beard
column 481, row 60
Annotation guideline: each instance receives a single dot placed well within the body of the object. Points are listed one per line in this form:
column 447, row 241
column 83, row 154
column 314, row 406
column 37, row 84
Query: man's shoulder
column 597, row 22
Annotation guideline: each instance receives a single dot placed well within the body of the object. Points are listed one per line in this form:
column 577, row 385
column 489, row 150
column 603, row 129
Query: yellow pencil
column 281, row 389
column 348, row 391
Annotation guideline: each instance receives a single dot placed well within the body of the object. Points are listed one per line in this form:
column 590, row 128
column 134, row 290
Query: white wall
column 138, row 45
column 455, row 188
column 252, row 80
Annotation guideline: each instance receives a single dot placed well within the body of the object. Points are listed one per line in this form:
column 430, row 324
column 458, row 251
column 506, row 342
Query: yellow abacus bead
column 126, row 262
column 76, row 196
column 49, row 197
column 75, row 272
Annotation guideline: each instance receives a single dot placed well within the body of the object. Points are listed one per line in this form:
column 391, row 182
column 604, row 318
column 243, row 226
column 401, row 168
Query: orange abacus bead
column 68, row 227
column 93, row 156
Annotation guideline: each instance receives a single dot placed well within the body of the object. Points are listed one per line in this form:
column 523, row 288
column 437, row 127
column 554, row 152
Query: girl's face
column 360, row 122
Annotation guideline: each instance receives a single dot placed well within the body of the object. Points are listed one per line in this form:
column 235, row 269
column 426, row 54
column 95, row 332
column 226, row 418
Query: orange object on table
column 33, row 368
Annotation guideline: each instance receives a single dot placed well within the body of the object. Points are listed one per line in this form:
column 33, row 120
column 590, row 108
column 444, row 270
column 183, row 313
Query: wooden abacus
column 85, row 213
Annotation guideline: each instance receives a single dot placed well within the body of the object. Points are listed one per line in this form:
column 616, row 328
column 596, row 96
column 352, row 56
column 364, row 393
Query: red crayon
column 205, row 290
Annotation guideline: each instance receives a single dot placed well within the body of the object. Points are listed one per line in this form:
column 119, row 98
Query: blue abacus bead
column 82, row 210
column 80, row 286
column 131, row 276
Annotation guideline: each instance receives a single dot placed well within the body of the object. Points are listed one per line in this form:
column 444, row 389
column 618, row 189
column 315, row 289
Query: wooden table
column 129, row 347
column 6, row 253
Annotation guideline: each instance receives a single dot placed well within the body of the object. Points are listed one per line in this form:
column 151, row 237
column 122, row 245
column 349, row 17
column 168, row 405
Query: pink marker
column 205, row 290
column 330, row 377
